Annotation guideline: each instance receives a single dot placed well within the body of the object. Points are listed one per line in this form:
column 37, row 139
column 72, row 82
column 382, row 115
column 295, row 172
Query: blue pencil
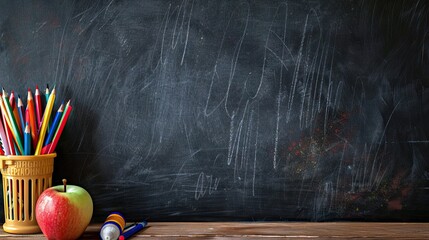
column 54, row 125
column 133, row 230
column 20, row 106
column 27, row 140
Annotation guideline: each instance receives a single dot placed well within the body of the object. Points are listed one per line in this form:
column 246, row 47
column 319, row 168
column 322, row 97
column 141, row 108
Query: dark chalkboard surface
column 234, row 110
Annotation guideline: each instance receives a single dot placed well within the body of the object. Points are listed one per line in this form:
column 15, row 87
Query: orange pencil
column 33, row 124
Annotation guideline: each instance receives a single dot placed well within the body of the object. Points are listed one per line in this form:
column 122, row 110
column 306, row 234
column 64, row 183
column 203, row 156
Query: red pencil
column 9, row 137
column 33, row 124
column 27, row 122
column 27, row 116
column 39, row 110
column 60, row 128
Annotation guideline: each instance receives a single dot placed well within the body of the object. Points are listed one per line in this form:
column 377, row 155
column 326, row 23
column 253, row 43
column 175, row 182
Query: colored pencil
column 39, row 107
column 9, row 136
column 4, row 140
column 47, row 93
column 10, row 141
column 21, row 112
column 44, row 126
column 31, row 130
column 46, row 101
column 6, row 126
column 13, row 124
column 54, row 124
column 60, row 128
column 27, row 122
column 12, row 102
column 27, row 140
column 33, row 123
column 27, row 117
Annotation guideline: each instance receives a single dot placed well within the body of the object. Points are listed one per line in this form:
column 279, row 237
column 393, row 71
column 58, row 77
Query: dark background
column 233, row 110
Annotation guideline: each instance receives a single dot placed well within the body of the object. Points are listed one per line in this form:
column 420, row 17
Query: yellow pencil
column 46, row 117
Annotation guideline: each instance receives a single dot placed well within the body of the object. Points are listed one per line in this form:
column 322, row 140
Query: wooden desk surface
column 257, row 230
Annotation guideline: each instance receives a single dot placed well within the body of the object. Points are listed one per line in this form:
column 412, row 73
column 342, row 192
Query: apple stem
column 65, row 184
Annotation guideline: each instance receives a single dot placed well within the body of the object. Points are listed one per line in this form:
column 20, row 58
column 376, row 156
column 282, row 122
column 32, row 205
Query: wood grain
column 258, row 230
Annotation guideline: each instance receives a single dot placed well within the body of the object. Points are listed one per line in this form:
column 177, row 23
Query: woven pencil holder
column 24, row 179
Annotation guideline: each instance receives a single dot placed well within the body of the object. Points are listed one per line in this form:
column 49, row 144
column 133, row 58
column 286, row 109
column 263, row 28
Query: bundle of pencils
column 31, row 130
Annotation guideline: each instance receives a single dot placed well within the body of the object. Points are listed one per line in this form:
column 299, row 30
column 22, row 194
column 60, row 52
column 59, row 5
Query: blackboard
column 233, row 110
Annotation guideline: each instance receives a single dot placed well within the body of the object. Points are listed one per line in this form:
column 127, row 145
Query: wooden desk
column 258, row 230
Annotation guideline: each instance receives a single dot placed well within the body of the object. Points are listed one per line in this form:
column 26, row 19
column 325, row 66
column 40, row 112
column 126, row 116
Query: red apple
column 64, row 212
